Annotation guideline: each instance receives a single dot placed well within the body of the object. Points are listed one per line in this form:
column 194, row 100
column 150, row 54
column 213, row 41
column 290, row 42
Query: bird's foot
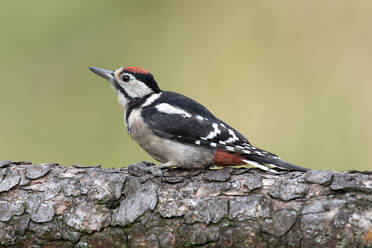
column 137, row 169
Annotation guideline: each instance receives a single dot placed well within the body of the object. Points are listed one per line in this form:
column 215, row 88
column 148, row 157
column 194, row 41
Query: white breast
column 163, row 150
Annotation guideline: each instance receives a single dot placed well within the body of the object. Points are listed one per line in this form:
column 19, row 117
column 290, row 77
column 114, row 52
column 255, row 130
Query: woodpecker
column 178, row 131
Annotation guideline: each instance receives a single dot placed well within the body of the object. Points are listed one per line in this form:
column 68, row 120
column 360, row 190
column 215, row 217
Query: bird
column 178, row 131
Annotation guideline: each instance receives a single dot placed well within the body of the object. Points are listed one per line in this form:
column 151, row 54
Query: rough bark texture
column 49, row 205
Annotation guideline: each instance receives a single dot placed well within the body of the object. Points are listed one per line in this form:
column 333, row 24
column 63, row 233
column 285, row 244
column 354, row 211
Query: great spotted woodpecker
column 178, row 131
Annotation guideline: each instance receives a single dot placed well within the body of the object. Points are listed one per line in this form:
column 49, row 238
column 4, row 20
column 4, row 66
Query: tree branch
column 50, row 205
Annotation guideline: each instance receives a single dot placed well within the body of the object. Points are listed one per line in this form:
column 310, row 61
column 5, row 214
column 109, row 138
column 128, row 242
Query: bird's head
column 129, row 82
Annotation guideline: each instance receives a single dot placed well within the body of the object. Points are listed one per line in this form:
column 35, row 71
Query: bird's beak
column 109, row 75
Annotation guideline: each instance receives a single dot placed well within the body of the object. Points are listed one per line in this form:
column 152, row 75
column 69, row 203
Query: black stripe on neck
column 119, row 88
column 134, row 103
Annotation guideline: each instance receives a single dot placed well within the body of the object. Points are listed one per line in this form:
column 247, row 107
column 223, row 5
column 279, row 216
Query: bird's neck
column 123, row 102
column 128, row 105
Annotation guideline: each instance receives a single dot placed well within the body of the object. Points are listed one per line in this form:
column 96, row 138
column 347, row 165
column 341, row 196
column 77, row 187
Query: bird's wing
column 176, row 117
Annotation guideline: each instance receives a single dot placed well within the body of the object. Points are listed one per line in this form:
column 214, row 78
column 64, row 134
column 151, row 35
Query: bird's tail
column 264, row 163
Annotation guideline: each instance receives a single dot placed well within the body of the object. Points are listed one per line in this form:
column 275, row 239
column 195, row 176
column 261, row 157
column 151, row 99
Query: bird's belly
column 163, row 150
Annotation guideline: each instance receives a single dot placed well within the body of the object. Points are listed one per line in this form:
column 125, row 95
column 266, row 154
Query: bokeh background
column 295, row 77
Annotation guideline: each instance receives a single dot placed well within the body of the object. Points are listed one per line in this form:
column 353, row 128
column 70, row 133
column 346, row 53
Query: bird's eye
column 125, row 78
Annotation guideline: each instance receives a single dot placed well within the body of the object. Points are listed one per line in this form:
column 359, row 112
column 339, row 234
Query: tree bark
column 49, row 205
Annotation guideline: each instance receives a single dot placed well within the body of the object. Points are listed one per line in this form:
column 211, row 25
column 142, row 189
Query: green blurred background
column 293, row 76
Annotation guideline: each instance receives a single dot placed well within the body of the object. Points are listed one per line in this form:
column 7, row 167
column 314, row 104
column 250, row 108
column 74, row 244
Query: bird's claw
column 157, row 172
column 138, row 169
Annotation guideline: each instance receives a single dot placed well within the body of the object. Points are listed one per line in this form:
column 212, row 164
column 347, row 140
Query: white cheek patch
column 136, row 88
column 168, row 109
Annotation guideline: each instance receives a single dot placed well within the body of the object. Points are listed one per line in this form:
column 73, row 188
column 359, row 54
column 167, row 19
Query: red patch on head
column 222, row 158
column 135, row 70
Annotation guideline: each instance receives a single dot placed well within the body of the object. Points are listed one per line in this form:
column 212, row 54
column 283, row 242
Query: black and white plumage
column 177, row 130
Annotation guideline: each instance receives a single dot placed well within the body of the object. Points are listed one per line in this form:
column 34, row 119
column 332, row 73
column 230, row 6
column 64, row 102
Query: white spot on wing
column 260, row 166
column 200, row 117
column 222, row 142
column 233, row 137
column 230, row 148
column 213, row 144
column 168, row 109
column 273, row 165
column 197, row 142
column 213, row 133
